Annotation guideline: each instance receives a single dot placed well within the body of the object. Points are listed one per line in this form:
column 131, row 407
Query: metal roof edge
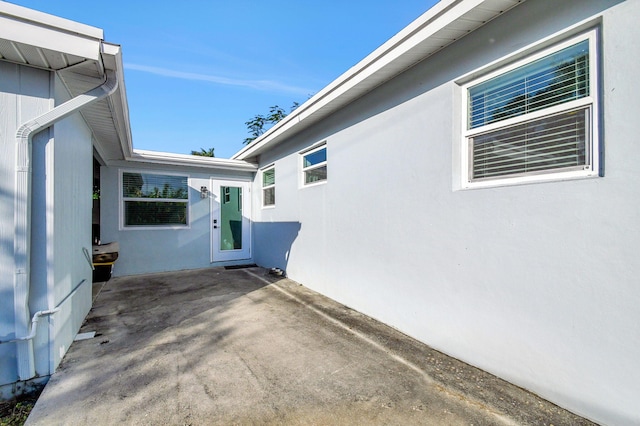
column 336, row 94
column 44, row 19
column 41, row 30
column 121, row 119
column 167, row 158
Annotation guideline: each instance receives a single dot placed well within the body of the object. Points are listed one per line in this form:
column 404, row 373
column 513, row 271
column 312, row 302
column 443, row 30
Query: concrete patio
column 220, row 346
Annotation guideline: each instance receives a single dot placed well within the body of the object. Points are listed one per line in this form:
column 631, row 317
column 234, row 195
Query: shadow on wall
column 273, row 241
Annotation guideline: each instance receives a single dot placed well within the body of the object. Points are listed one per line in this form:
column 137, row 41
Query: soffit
column 442, row 25
column 37, row 39
column 107, row 118
column 79, row 56
column 39, row 57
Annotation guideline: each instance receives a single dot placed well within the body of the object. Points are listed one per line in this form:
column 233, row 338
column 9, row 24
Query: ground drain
column 252, row 265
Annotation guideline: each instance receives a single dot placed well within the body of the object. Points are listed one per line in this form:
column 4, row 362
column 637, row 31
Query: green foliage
column 204, row 152
column 276, row 114
column 155, row 213
column 15, row 413
column 172, row 186
column 256, row 126
column 167, row 191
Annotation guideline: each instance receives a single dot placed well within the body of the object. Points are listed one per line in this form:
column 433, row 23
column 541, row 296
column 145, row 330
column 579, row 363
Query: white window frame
column 591, row 102
column 304, row 170
column 272, row 186
column 121, row 199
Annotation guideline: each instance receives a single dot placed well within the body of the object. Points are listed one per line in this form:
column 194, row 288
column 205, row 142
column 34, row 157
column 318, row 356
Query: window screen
column 314, row 166
column 154, row 199
column 546, row 106
column 269, row 187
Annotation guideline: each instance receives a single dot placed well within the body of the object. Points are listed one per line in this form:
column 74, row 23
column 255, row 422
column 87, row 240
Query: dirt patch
column 16, row 411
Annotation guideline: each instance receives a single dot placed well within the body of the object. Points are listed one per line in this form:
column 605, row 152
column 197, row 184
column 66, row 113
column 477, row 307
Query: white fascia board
column 156, row 157
column 112, row 59
column 22, row 25
column 396, row 55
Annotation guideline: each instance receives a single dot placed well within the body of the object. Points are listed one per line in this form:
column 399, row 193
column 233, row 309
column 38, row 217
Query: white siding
column 535, row 283
column 60, row 223
column 24, row 94
column 69, row 201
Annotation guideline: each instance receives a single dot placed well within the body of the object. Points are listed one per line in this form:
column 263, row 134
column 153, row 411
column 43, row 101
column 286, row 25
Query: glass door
column 230, row 221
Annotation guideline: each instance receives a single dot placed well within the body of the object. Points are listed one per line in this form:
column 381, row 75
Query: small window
column 314, row 165
column 154, row 199
column 269, row 186
column 534, row 119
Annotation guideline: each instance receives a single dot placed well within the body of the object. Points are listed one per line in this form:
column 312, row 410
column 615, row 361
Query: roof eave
column 30, row 27
column 79, row 56
column 184, row 160
column 442, row 25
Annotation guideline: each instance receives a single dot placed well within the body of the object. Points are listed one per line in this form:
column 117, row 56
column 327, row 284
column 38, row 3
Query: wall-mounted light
column 204, row 192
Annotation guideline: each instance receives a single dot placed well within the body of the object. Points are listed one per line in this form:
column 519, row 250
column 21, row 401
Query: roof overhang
column 184, row 160
column 45, row 41
column 79, row 56
column 442, row 25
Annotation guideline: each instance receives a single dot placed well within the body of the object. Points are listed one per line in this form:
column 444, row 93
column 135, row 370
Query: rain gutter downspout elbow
column 22, row 214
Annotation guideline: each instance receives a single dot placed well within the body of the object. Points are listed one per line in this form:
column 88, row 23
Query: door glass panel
column 230, row 218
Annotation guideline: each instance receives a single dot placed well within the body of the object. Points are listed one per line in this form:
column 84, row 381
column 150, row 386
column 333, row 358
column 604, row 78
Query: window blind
column 269, row 177
column 554, row 79
column 553, row 142
column 154, row 200
column 144, row 213
column 143, row 185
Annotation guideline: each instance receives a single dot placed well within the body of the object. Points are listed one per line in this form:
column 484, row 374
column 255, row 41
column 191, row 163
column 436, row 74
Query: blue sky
column 196, row 71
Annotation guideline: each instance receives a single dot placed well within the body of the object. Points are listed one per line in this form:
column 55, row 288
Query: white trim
column 313, row 149
column 218, row 256
column 45, row 19
column 41, row 30
column 263, row 188
column 121, row 201
column 593, row 151
column 166, row 158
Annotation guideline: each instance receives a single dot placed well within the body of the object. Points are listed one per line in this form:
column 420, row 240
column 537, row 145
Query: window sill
column 309, row 185
column 155, row 228
column 525, row 180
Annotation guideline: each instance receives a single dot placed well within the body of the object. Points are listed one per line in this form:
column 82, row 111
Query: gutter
column 22, row 214
column 443, row 24
column 155, row 157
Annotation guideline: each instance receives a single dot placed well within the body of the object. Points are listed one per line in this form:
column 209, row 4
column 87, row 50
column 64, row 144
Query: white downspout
column 22, row 214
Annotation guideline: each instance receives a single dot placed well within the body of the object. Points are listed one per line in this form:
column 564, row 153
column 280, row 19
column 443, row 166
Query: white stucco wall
column 157, row 250
column 535, row 283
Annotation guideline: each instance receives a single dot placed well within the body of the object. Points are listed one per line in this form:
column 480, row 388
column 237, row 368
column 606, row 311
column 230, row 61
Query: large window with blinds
column 535, row 119
column 154, row 200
